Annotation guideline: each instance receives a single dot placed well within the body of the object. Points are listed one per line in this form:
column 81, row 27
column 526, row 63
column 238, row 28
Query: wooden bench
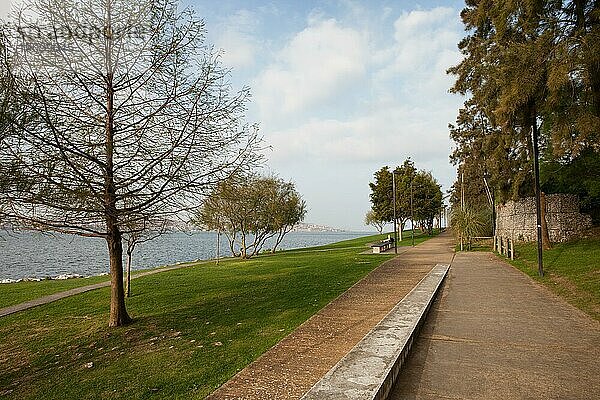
column 382, row 246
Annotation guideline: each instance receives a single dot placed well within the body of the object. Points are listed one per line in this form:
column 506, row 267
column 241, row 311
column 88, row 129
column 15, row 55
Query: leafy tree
column 250, row 211
column 372, row 220
column 485, row 150
column 287, row 210
column 530, row 68
column 128, row 116
column 470, row 185
column 382, row 196
column 427, row 199
column 382, row 203
column 574, row 77
column 526, row 64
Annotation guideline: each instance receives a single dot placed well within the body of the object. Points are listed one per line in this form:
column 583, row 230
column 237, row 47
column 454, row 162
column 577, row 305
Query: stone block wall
column 517, row 219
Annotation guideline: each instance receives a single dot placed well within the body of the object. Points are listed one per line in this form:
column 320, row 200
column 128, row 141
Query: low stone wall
column 517, row 219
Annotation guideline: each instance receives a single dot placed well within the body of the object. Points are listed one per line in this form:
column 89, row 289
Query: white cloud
column 425, row 44
column 315, row 65
column 403, row 88
column 237, row 39
column 386, row 134
column 346, row 113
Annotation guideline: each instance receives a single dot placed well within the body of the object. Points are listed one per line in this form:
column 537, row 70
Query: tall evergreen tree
column 525, row 62
column 528, row 64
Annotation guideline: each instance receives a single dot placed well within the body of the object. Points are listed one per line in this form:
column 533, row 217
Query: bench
column 382, row 246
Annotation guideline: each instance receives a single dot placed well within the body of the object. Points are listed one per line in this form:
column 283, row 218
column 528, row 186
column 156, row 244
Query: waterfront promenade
column 491, row 333
column 494, row 333
column 294, row 365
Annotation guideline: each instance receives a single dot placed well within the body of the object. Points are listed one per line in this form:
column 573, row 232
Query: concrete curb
column 369, row 370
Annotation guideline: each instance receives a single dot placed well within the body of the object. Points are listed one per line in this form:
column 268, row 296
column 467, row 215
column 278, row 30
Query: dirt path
column 72, row 292
column 297, row 362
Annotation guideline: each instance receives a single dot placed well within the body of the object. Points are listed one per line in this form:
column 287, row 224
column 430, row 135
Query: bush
column 468, row 222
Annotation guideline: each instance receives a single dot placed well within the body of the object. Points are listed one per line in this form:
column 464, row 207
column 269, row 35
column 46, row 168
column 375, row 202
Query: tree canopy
column 427, row 199
column 577, row 176
column 382, row 197
column 417, row 193
column 527, row 65
column 250, row 210
column 372, row 220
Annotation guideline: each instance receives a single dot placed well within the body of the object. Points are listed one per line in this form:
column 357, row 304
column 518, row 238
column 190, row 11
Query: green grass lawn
column 572, row 270
column 193, row 328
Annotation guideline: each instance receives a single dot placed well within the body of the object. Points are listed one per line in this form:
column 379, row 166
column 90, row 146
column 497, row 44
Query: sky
column 341, row 88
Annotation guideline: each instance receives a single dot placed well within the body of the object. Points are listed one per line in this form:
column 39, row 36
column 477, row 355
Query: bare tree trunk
column 547, row 245
column 280, row 236
column 218, row 245
column 118, row 312
column 282, row 232
column 243, row 247
column 400, row 228
column 232, row 248
column 231, row 241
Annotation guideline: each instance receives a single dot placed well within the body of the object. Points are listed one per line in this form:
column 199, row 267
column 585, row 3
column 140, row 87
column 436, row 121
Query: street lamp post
column 538, row 206
column 394, row 200
column 412, row 217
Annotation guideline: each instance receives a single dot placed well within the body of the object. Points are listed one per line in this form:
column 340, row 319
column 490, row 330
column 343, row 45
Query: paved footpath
column 494, row 333
column 291, row 367
column 72, row 292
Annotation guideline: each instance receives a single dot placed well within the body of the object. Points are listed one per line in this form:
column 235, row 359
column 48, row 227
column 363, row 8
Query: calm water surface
column 36, row 255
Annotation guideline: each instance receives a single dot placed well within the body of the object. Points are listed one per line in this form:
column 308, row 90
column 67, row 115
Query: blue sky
column 341, row 88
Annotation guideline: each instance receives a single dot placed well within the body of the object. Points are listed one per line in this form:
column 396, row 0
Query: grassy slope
column 572, row 270
column 19, row 292
column 194, row 327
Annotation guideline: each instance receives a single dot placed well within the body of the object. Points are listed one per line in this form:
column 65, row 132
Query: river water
column 37, row 255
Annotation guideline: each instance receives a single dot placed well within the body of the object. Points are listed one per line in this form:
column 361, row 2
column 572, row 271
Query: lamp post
column 412, row 217
column 538, row 206
column 394, row 201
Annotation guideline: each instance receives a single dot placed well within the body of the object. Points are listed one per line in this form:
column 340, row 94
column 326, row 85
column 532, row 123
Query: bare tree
column 5, row 85
column 7, row 107
column 129, row 117
column 5, row 88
